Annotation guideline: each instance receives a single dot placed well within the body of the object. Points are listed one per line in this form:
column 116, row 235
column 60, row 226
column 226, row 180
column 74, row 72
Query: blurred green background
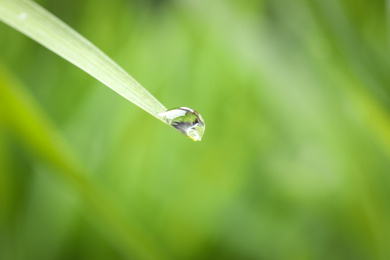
column 294, row 163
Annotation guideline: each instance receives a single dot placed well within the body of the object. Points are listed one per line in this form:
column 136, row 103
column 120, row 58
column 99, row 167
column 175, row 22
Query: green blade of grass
column 34, row 21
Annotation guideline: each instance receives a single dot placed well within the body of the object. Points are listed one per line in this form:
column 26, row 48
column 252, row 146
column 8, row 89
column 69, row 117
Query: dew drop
column 186, row 120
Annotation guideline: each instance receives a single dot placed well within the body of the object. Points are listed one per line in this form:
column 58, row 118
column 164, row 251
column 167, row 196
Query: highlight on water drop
column 186, row 120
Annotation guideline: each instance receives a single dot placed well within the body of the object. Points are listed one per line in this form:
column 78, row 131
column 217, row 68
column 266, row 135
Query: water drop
column 186, row 120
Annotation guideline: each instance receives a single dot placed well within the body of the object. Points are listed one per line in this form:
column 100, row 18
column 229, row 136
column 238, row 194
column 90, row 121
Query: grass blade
column 43, row 27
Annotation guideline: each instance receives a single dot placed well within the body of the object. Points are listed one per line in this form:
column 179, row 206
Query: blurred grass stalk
column 27, row 121
column 34, row 21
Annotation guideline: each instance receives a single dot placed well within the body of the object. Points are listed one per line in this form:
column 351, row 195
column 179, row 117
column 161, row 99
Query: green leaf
column 34, row 21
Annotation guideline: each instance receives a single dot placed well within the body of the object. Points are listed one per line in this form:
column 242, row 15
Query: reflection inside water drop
column 186, row 120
